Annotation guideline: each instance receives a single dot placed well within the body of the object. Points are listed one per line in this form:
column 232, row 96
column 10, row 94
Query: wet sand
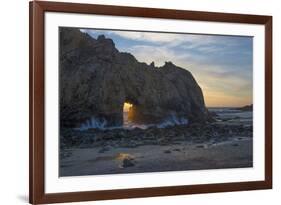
column 225, row 143
column 234, row 153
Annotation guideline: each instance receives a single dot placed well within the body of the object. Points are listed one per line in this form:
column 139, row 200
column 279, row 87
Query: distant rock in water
column 246, row 108
column 96, row 80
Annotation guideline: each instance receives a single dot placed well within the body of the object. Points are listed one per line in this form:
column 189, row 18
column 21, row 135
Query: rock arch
column 96, row 79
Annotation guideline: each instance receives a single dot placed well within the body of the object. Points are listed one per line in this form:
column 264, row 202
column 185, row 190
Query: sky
column 221, row 65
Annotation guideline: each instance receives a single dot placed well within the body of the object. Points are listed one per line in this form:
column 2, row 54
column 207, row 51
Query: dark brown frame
column 36, row 106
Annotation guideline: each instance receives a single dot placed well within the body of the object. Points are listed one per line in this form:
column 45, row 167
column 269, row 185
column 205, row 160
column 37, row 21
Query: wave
column 93, row 123
column 172, row 121
column 96, row 123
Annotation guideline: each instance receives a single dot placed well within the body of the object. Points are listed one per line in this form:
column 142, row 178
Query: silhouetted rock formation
column 246, row 108
column 96, row 79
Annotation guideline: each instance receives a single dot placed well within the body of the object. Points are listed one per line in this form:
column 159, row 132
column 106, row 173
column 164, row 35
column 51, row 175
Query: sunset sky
column 222, row 65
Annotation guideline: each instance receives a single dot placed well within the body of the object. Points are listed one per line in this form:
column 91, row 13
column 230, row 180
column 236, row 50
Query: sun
column 127, row 106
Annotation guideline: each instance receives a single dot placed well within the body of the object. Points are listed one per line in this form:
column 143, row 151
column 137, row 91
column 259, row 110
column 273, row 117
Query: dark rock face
column 96, row 79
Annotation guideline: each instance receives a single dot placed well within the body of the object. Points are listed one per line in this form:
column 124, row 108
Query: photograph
column 150, row 101
column 132, row 102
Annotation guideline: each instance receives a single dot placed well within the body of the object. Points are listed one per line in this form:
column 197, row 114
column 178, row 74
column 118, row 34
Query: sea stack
column 96, row 80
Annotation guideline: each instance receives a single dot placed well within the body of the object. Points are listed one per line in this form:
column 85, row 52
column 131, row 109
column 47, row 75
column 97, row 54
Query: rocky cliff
column 96, row 79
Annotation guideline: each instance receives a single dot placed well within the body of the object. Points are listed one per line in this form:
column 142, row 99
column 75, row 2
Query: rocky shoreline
column 177, row 148
column 225, row 143
column 194, row 133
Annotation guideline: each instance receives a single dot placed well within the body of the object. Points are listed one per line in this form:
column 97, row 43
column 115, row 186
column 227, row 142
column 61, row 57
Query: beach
column 225, row 143
column 155, row 158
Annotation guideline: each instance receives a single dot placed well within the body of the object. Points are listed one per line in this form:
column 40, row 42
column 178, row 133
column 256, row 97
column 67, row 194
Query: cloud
column 222, row 65
column 158, row 54
column 203, row 43
column 169, row 39
column 150, row 37
column 215, row 80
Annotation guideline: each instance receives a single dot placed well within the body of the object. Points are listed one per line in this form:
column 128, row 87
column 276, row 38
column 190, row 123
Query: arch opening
column 127, row 113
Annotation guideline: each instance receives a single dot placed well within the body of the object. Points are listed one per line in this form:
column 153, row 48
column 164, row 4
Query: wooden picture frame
column 37, row 11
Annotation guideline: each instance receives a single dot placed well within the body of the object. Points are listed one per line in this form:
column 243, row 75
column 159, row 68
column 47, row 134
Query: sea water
column 95, row 123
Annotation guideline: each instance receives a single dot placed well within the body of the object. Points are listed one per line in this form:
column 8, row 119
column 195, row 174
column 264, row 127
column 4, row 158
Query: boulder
column 96, row 80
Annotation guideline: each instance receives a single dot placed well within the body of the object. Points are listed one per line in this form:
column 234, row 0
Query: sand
column 184, row 155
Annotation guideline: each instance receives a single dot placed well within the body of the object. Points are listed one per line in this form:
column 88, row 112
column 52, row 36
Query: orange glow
column 220, row 99
column 127, row 107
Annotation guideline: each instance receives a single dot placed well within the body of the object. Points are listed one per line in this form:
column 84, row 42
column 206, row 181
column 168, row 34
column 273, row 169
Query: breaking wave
column 172, row 121
column 95, row 123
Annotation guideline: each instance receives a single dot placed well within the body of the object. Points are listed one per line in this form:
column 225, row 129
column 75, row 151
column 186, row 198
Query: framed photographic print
column 139, row 102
